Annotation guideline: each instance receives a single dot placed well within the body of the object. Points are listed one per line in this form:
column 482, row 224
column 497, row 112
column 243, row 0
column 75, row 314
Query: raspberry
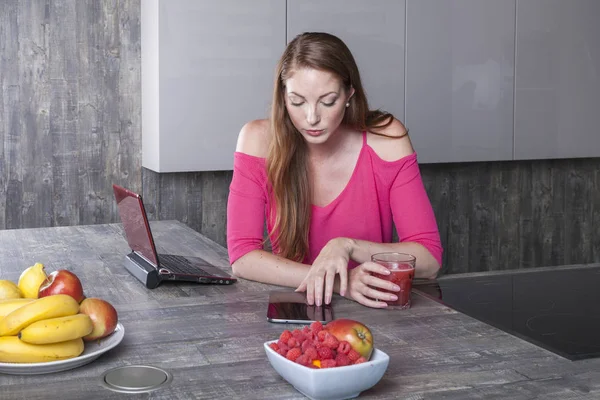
column 331, row 341
column 303, row 360
column 316, row 326
column 344, row 347
column 299, row 335
column 330, row 363
column 314, row 337
column 325, row 353
column 360, row 361
column 306, row 330
column 282, row 352
column 293, row 342
column 312, row 353
column 305, row 345
column 342, row 360
column 293, row 354
column 285, row 336
column 353, row 355
column 274, row 346
column 321, row 335
column 282, row 345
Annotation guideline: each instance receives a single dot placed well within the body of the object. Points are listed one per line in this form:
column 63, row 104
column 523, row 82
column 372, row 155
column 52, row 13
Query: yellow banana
column 58, row 305
column 55, row 330
column 14, row 350
column 9, row 305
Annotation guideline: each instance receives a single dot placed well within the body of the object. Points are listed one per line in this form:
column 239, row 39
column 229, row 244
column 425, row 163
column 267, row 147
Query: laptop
column 149, row 266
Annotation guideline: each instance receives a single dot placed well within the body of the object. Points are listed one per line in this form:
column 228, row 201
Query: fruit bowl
column 330, row 383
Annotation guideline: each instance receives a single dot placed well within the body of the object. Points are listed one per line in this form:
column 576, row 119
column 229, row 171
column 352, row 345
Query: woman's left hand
column 318, row 283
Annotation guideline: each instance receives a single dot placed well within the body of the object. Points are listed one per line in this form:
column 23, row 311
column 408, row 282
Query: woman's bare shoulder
column 392, row 142
column 254, row 138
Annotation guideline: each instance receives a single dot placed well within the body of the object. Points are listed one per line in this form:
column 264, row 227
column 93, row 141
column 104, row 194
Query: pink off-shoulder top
column 380, row 193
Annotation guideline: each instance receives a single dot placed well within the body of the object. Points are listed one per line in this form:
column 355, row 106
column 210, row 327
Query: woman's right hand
column 364, row 288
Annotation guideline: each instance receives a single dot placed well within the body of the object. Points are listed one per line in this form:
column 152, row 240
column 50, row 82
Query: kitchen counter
column 210, row 337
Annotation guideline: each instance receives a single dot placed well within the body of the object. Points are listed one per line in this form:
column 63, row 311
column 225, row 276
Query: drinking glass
column 402, row 272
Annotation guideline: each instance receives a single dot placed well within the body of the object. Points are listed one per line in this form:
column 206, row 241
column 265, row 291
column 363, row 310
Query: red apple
column 62, row 282
column 355, row 333
column 103, row 315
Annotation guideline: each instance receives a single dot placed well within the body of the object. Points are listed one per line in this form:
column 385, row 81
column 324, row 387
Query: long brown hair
column 287, row 156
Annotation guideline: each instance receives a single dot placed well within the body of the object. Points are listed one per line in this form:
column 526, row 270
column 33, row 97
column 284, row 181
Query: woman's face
column 316, row 103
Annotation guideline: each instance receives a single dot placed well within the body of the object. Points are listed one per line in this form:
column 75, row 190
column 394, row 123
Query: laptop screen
column 135, row 223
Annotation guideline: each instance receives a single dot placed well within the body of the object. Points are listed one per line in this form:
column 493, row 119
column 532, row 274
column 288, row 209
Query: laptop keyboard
column 179, row 264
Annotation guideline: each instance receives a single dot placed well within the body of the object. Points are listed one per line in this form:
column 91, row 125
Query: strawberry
column 293, row 354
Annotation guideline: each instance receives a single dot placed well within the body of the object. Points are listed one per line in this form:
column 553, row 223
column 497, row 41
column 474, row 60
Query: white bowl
column 330, row 383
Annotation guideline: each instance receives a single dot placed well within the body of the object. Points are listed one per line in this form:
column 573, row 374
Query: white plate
column 92, row 351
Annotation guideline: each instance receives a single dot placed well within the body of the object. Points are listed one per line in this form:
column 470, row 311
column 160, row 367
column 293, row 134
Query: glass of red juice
column 402, row 272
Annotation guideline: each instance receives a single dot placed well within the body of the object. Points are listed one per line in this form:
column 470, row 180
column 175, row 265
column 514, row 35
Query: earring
column 348, row 104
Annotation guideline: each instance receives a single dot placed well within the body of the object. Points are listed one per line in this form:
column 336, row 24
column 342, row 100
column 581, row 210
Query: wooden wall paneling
column 109, row 98
column 197, row 199
column 508, row 208
column 9, row 115
column 125, row 144
column 595, row 218
column 438, row 189
column 35, row 161
column 578, row 212
column 64, row 121
column 526, row 234
column 214, row 205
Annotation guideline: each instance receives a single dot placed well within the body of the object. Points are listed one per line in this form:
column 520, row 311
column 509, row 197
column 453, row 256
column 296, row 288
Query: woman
column 330, row 177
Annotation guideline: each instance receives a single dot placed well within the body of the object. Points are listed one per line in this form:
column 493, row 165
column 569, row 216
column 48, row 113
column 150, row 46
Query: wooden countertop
column 210, row 337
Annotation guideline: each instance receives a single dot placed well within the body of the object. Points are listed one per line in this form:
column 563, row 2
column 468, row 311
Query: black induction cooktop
column 557, row 309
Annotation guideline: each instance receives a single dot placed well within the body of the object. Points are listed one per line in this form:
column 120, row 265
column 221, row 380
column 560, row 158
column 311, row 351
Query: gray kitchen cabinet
column 557, row 97
column 460, row 79
column 207, row 68
column 374, row 32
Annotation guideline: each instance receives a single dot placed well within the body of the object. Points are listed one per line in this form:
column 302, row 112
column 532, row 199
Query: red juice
column 402, row 275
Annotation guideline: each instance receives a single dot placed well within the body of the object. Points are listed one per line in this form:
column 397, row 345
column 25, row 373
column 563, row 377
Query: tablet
column 291, row 307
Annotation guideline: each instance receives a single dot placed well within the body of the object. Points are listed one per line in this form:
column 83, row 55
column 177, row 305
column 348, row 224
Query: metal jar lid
column 135, row 379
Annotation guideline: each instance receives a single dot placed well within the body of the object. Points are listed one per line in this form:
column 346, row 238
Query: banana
column 9, row 305
column 55, row 330
column 58, row 305
column 14, row 350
